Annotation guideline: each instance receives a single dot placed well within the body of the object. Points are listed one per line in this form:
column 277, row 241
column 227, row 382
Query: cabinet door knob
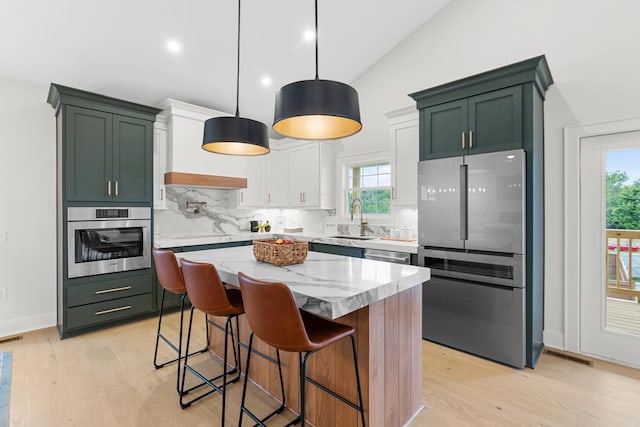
column 470, row 138
column 463, row 140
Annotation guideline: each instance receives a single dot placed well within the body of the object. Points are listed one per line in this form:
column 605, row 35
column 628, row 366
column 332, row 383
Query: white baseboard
column 27, row 324
column 553, row 339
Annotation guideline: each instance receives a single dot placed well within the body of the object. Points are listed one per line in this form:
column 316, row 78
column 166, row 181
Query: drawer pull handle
column 108, row 291
column 113, row 310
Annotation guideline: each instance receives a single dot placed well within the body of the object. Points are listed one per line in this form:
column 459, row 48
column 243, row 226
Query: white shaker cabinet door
column 405, row 156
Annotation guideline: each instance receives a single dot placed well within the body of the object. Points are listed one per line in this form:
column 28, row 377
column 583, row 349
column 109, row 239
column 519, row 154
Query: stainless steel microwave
column 107, row 240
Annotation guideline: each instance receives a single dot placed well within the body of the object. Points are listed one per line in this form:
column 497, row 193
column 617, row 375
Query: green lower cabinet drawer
column 107, row 311
column 106, row 290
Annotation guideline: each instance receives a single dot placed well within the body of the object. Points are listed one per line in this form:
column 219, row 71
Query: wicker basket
column 280, row 253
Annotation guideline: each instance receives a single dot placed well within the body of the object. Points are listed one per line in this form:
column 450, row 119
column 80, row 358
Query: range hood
column 210, row 181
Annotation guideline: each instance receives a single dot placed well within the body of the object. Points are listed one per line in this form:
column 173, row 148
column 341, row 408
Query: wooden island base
column 389, row 337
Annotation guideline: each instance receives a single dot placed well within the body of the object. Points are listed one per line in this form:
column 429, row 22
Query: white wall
column 591, row 48
column 27, row 207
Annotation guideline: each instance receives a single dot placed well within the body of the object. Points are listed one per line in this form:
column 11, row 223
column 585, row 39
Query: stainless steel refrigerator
column 471, row 233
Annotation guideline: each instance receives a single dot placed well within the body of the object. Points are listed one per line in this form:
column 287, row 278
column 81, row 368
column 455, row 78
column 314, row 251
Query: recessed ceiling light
column 174, row 46
column 309, row 35
column 266, row 81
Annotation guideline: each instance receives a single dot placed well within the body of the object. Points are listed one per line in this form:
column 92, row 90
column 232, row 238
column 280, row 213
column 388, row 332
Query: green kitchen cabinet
column 501, row 109
column 486, row 112
column 104, row 158
column 337, row 249
column 487, row 122
column 106, row 147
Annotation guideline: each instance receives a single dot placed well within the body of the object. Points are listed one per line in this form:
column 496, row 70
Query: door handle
column 108, row 291
column 116, row 188
column 463, row 140
column 463, row 202
column 109, row 188
column 112, row 310
column 470, row 138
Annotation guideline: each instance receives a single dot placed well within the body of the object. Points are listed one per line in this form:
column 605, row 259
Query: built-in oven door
column 99, row 247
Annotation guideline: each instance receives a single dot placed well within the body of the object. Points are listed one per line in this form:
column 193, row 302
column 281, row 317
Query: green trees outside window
column 623, row 202
column 371, row 183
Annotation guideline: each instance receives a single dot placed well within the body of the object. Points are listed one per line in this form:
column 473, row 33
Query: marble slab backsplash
column 220, row 217
column 212, row 212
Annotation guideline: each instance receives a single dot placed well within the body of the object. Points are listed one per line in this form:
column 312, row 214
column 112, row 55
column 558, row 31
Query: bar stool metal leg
column 178, row 349
column 228, row 330
column 243, row 408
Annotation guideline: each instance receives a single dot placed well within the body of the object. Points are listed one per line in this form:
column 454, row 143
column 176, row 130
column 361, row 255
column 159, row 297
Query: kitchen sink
column 354, row 237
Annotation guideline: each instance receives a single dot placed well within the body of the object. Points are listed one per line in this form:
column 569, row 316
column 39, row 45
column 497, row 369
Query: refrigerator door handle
column 463, row 202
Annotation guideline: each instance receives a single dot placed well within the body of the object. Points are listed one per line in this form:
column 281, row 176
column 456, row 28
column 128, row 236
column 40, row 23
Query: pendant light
column 317, row 109
column 236, row 135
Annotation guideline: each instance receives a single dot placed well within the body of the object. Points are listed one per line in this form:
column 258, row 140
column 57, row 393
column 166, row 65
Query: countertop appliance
column 107, row 240
column 471, row 233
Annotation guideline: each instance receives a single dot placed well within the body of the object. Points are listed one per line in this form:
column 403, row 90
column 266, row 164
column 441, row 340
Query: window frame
column 343, row 186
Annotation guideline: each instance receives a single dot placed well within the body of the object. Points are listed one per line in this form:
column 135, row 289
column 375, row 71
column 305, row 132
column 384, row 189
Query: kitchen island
column 382, row 301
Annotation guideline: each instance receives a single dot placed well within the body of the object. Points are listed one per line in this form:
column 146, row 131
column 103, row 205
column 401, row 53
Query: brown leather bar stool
column 274, row 317
column 171, row 279
column 209, row 295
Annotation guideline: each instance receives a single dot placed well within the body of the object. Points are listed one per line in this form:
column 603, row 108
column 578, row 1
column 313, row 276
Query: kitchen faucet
column 362, row 220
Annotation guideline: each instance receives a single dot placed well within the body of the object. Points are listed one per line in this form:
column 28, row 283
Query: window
column 371, row 184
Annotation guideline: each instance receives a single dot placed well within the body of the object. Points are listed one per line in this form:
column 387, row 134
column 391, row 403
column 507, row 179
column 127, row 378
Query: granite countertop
column 166, row 241
column 325, row 284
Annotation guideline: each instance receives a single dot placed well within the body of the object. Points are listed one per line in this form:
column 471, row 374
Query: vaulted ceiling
column 119, row 47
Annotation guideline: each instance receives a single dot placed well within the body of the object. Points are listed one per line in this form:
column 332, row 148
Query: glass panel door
column 623, row 241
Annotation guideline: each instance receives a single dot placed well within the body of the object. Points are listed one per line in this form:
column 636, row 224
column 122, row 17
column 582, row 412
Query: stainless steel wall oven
column 107, row 240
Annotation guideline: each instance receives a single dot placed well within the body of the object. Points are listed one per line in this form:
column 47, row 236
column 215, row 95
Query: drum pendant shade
column 236, row 135
column 317, row 109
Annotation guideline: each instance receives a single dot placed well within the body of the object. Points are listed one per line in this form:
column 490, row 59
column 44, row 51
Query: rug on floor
column 5, row 387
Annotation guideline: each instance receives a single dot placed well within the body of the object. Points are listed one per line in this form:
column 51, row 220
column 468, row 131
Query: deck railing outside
column 623, row 264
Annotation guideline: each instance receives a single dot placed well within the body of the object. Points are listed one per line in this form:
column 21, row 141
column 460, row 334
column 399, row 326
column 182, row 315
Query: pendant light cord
column 238, row 68
column 316, row 39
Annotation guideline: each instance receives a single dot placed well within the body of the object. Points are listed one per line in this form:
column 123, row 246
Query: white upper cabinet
column 312, row 175
column 253, row 195
column 271, row 188
column 159, row 161
column 404, row 147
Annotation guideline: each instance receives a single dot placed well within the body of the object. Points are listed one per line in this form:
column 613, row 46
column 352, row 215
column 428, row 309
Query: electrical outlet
column 3, row 293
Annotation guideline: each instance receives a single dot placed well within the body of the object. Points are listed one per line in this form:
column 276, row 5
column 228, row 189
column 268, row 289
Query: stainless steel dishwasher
column 388, row 256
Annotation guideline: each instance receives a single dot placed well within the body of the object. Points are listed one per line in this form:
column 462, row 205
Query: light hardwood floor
column 106, row 378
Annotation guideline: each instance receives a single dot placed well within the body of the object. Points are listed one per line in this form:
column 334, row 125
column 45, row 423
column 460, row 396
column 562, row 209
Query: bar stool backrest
column 273, row 315
column 168, row 271
column 205, row 289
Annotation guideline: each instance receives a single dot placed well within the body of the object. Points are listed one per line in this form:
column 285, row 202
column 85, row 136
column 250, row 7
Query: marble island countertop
column 171, row 241
column 328, row 285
